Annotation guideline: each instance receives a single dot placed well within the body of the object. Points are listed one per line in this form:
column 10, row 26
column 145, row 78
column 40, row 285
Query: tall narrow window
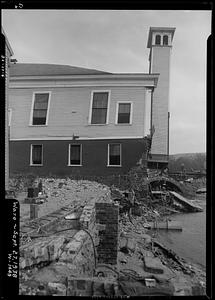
column 165, row 40
column 99, row 108
column 114, row 155
column 75, row 155
column 124, row 113
column 157, row 39
column 36, row 154
column 40, row 109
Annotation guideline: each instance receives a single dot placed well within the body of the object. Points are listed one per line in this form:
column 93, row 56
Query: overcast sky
column 116, row 41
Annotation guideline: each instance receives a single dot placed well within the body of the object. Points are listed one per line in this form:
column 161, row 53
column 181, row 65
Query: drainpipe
column 151, row 124
column 168, row 136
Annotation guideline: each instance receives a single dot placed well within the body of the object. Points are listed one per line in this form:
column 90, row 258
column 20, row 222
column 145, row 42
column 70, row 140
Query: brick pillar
column 107, row 214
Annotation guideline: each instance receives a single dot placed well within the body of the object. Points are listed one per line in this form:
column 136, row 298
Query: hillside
column 191, row 161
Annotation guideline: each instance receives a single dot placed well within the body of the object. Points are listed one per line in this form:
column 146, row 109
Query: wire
column 47, row 235
column 94, row 250
column 107, row 266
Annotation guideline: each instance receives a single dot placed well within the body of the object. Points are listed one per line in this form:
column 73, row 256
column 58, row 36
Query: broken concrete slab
column 70, row 251
column 153, row 265
column 41, row 250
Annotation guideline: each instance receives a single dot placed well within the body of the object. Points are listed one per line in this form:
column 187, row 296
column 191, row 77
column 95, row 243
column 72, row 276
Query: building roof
column 7, row 42
column 159, row 29
column 64, row 73
column 26, row 69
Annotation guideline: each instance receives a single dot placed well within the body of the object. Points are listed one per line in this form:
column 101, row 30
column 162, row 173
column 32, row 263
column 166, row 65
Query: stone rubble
column 46, row 264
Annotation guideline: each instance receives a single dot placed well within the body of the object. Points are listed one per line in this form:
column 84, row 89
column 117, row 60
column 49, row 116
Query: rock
column 153, row 265
column 201, row 191
column 131, row 244
column 147, row 238
column 109, row 289
column 45, row 250
column 98, row 288
column 137, row 211
column 57, row 288
column 71, row 250
column 123, row 261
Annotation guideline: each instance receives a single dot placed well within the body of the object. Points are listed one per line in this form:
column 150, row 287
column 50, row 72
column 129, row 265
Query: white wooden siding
column 69, row 113
column 161, row 64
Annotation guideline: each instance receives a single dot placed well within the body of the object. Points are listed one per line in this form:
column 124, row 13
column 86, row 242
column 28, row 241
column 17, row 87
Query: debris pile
column 145, row 267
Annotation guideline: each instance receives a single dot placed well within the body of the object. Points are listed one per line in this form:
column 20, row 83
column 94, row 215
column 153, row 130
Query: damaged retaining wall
column 75, row 253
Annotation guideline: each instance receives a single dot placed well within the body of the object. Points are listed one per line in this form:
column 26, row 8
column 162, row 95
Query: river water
column 190, row 243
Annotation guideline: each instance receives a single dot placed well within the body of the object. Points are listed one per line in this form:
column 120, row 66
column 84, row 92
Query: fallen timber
column 186, row 203
column 166, row 225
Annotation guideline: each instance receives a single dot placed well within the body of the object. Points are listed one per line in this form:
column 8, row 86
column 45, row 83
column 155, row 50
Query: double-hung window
column 124, row 113
column 36, row 155
column 114, row 155
column 99, row 108
column 75, row 155
column 40, row 108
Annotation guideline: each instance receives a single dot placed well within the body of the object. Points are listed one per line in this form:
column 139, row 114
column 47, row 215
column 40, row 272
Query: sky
column 116, row 42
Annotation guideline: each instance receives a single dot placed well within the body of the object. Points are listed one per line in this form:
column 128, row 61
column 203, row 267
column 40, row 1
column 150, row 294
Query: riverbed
column 190, row 243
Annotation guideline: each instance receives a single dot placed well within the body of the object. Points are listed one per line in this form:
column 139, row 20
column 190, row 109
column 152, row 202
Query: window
column 75, row 153
column 114, row 154
column 99, row 108
column 157, row 39
column 124, row 113
column 40, row 109
column 36, row 155
column 165, row 40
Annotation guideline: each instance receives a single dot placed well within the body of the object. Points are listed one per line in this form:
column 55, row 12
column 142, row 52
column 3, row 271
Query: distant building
column 71, row 120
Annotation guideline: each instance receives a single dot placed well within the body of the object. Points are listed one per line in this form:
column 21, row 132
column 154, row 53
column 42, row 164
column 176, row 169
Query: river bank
column 183, row 275
column 187, row 273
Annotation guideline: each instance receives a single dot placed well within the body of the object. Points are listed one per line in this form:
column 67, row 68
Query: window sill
column 117, row 166
column 74, row 165
column 123, row 124
column 37, row 125
column 31, row 165
column 97, row 124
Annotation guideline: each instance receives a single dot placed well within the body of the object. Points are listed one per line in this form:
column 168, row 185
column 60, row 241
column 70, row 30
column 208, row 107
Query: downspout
column 149, row 137
column 168, row 137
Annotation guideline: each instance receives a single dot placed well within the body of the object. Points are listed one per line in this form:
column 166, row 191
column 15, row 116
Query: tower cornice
column 162, row 30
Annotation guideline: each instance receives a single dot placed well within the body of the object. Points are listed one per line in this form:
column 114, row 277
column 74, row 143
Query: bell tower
column 160, row 45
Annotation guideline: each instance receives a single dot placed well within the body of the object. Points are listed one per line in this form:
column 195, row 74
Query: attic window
column 157, row 39
column 40, row 108
column 165, row 40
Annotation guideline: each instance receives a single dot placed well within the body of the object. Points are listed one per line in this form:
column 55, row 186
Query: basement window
column 99, row 107
column 75, row 155
column 36, row 155
column 114, row 155
column 40, row 108
column 124, row 113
